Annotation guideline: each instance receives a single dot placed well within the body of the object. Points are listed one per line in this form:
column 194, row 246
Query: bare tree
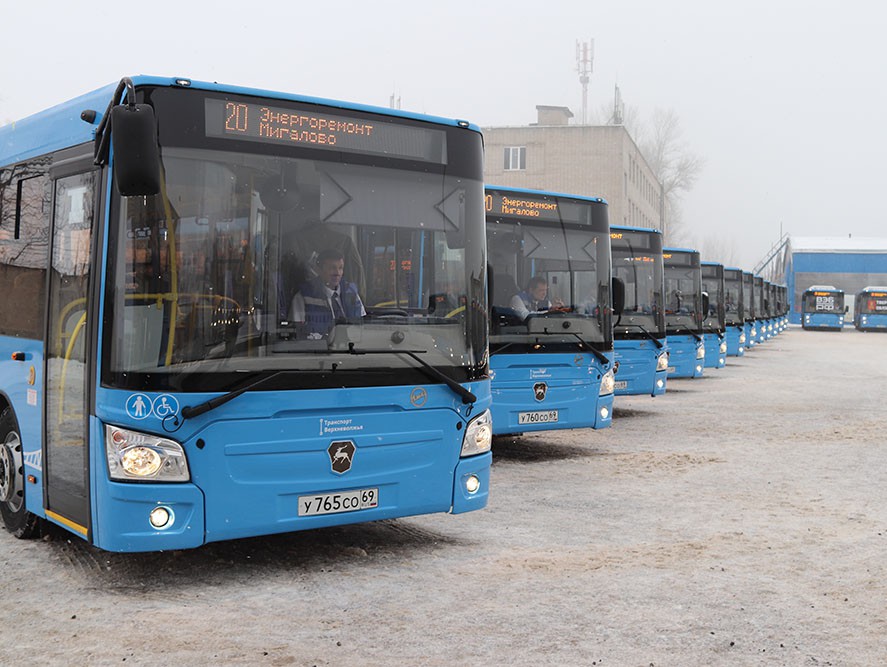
column 676, row 167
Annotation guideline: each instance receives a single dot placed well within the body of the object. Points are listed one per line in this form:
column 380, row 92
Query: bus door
column 66, row 471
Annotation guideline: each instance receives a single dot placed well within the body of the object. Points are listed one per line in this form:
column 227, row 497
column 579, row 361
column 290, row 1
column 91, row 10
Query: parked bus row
column 230, row 312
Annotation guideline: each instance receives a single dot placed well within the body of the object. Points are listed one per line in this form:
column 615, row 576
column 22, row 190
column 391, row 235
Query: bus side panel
column 22, row 383
column 567, row 383
column 637, row 373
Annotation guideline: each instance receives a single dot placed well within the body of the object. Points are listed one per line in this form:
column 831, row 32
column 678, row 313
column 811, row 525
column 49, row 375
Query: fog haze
column 784, row 101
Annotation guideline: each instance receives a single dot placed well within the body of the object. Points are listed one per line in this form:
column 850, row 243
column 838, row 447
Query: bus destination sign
column 248, row 121
column 537, row 208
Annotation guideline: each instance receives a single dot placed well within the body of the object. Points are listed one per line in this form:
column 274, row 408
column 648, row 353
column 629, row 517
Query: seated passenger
column 326, row 298
column 534, row 299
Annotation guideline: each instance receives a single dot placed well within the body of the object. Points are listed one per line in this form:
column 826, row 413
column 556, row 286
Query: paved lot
column 738, row 520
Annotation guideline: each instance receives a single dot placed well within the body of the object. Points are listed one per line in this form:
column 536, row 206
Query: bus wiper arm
column 659, row 344
column 685, row 330
column 599, row 355
column 195, row 411
column 464, row 394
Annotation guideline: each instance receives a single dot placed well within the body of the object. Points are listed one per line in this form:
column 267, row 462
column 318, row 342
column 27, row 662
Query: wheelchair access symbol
column 165, row 405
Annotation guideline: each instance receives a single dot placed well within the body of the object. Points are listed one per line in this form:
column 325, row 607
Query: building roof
column 839, row 244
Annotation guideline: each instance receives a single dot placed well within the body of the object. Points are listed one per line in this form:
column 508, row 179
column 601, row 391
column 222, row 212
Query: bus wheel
column 18, row 521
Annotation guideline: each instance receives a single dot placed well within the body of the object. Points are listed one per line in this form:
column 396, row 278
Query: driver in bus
column 534, row 299
column 326, row 298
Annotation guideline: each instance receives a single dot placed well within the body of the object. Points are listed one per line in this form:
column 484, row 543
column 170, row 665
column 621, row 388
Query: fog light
column 699, row 369
column 659, row 384
column 604, row 412
column 160, row 517
column 472, row 484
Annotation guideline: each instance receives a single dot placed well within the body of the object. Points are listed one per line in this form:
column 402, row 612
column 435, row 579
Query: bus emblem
column 418, row 397
column 341, row 454
column 539, row 389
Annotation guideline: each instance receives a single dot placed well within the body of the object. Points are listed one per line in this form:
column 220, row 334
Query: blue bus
column 870, row 313
column 230, row 312
column 760, row 310
column 770, row 308
column 639, row 330
column 822, row 307
column 782, row 304
column 734, row 312
column 551, row 335
column 748, row 305
column 714, row 325
column 684, row 308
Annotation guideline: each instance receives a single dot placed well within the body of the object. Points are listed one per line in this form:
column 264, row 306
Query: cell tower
column 585, row 66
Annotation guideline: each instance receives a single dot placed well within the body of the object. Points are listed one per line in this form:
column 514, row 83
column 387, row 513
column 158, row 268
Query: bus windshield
column 637, row 262
column 255, row 262
column 870, row 302
column 545, row 273
column 748, row 301
column 713, row 285
column 818, row 301
column 683, row 289
column 733, row 296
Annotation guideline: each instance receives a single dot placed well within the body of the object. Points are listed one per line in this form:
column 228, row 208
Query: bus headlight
column 700, row 352
column 662, row 362
column 133, row 455
column 479, row 435
column 608, row 383
column 723, row 348
column 742, row 338
column 754, row 332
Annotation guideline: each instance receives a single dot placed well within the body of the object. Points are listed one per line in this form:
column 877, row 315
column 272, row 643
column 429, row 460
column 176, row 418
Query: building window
column 515, row 157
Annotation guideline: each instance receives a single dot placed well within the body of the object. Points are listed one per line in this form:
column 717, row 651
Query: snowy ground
column 738, row 520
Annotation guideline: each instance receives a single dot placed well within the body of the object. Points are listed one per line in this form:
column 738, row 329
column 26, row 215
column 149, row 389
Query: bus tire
column 17, row 520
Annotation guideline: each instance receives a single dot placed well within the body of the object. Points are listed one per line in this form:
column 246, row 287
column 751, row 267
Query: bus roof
column 29, row 137
column 627, row 228
column 547, row 193
column 680, row 250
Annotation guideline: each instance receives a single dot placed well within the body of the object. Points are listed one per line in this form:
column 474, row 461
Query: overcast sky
column 785, row 101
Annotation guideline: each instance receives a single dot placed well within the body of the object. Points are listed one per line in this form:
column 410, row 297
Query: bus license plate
column 540, row 417
column 621, row 384
column 334, row 503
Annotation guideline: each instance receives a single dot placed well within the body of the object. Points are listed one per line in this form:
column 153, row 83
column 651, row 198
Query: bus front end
column 714, row 324
column 551, row 344
column 639, row 328
column 684, row 313
column 822, row 308
column 293, row 330
column 871, row 309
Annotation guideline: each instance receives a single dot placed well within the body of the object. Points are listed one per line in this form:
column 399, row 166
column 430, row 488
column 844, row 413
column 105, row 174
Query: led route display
column 535, row 207
column 315, row 129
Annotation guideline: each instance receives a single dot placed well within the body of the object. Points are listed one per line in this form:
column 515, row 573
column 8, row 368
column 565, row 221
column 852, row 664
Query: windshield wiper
column 601, row 357
column 659, row 344
column 188, row 411
column 464, row 394
column 678, row 330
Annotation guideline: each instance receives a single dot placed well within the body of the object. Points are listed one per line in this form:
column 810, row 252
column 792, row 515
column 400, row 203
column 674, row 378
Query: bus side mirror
column 136, row 153
column 705, row 304
column 618, row 291
column 846, row 309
